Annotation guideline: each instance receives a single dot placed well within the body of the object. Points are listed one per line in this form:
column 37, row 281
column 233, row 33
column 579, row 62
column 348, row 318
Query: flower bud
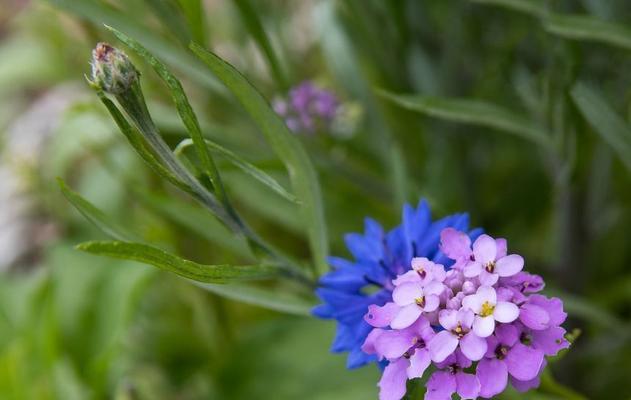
column 112, row 71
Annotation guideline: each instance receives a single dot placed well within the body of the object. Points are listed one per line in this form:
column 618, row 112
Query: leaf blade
column 472, row 112
column 301, row 172
column 611, row 127
column 169, row 262
column 582, row 27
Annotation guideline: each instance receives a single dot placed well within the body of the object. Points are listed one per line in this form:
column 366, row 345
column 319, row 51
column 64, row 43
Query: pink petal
column 410, row 276
column 438, row 272
column 524, row 386
column 419, row 361
column 448, row 319
column 407, row 293
column 505, row 312
column 406, row 316
column 431, row 303
column 442, row 346
column 392, row 385
column 534, row 316
column 502, row 247
column 433, row 288
column 523, row 362
column 484, row 326
column 487, row 278
column 507, row 334
column 393, row 344
column 369, row 344
column 380, row 317
column 467, row 385
column 466, row 318
column 509, row 265
column 455, row 244
column 472, row 269
column 473, row 346
column 487, row 294
column 441, row 386
column 493, row 376
column 484, row 249
column 550, row 341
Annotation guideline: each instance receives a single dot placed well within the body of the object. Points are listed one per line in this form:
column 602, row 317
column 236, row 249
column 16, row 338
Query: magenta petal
column 550, row 341
column 392, row 385
column 524, row 362
column 553, row 306
column 484, row 249
column 507, row 334
column 406, row 316
column 524, row 386
column 441, row 386
column 493, row 376
column 467, row 385
column 509, row 265
column 473, row 346
column 442, row 345
column 534, row 316
column 393, row 344
column 455, row 244
column 380, row 317
column 419, row 361
column 369, row 344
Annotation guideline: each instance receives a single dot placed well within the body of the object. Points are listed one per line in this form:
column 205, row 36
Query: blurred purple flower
column 308, row 108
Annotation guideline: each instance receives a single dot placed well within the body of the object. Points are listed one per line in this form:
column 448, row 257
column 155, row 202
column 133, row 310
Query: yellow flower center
column 420, row 301
column 487, row 309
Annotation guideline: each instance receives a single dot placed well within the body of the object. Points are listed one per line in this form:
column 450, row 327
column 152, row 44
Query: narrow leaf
column 473, row 112
column 532, row 7
column 94, row 215
column 262, row 297
column 613, row 129
column 301, row 172
column 139, row 143
column 172, row 263
column 246, row 167
column 579, row 27
column 254, row 25
column 183, row 107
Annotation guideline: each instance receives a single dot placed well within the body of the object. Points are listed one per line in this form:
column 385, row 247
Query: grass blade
column 183, row 107
column 255, row 27
column 614, row 130
column 579, row 27
column 532, row 7
column 263, row 297
column 301, row 172
column 473, row 112
column 244, row 166
column 94, row 215
column 172, row 263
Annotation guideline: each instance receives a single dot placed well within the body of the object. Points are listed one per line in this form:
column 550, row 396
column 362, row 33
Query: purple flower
column 307, row 108
column 457, row 333
column 406, row 351
column 489, row 261
column 451, row 379
column 488, row 310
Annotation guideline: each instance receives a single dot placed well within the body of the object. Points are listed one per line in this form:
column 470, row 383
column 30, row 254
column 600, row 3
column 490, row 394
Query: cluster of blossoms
column 462, row 304
column 308, row 108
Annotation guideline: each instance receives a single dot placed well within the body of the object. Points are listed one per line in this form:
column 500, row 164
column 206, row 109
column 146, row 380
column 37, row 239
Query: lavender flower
column 483, row 314
column 308, row 108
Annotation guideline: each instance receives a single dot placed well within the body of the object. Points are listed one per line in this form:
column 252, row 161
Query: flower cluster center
column 487, row 309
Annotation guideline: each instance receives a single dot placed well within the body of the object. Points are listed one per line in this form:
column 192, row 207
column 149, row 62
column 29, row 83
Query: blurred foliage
column 440, row 83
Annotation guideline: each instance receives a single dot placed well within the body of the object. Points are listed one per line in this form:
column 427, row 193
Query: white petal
column 484, row 249
column 472, row 269
column 431, row 303
column 509, row 265
column 488, row 279
column 406, row 316
column 487, row 294
column 448, row 319
column 407, row 293
column 505, row 312
column 472, row 302
column 484, row 326
column 433, row 288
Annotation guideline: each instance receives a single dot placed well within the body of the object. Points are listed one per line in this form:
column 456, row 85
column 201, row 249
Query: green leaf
column 579, row 27
column 139, row 143
column 301, row 172
column 245, row 166
column 183, row 107
column 195, row 16
column 253, row 23
column 171, row 17
column 532, row 7
column 612, row 128
column 172, row 263
column 94, row 215
column 263, row 297
column 473, row 112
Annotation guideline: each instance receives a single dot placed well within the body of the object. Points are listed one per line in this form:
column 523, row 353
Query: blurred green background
column 518, row 112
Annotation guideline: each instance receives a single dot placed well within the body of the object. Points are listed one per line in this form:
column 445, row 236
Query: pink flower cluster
column 480, row 323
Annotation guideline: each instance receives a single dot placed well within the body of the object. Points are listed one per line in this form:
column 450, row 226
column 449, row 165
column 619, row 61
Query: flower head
column 358, row 288
column 481, row 315
column 308, row 108
column 112, row 71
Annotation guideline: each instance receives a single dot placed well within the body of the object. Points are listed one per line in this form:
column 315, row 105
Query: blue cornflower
column 351, row 286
